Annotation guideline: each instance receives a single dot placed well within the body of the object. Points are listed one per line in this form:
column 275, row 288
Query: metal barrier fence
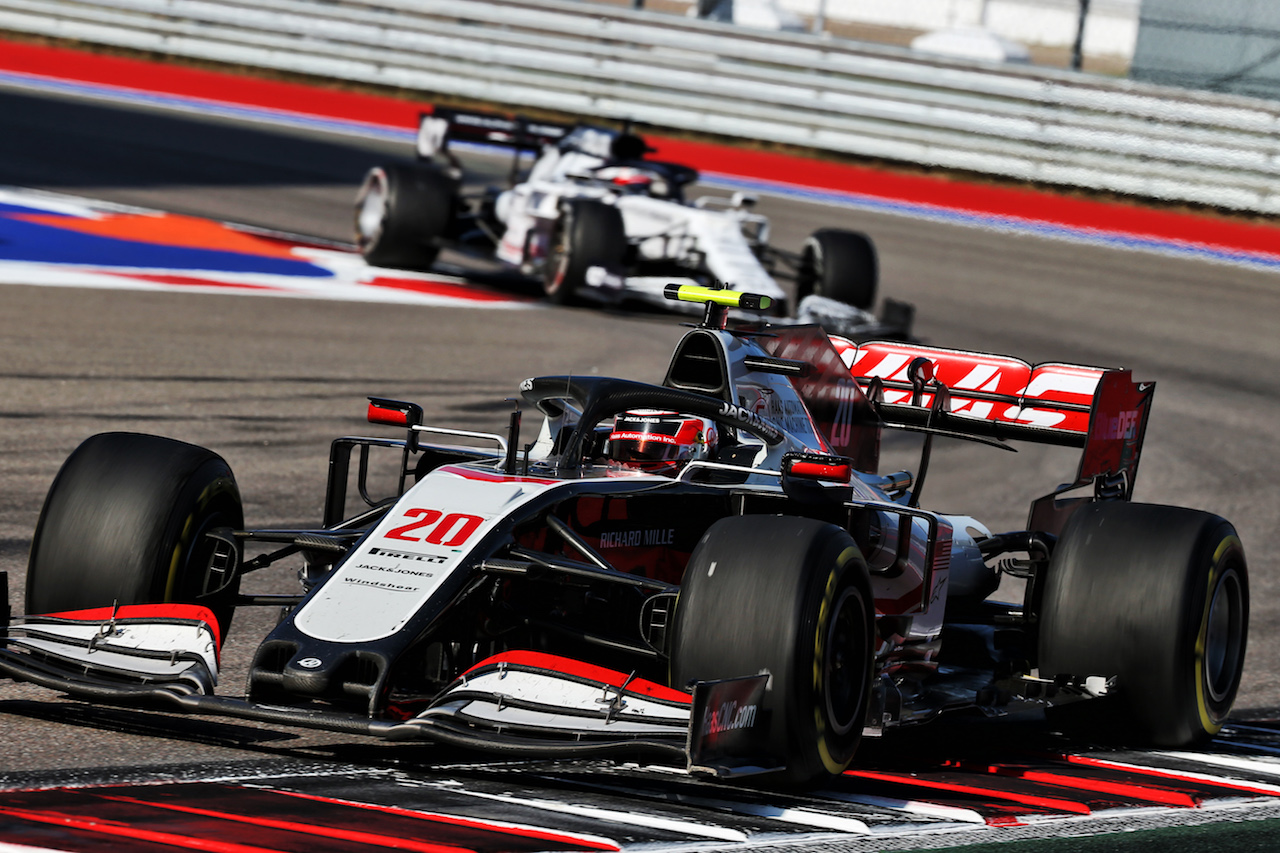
column 671, row 72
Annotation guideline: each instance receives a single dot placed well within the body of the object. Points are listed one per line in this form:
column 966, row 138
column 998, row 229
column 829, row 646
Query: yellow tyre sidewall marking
column 833, row 765
column 1207, row 721
column 206, row 498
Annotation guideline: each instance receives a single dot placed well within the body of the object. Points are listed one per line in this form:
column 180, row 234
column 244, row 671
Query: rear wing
column 992, row 397
column 442, row 125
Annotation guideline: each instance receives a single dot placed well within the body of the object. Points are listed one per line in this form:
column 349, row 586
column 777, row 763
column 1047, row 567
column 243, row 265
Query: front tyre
column 400, row 214
column 124, row 523
column 1158, row 597
column 840, row 265
column 791, row 597
column 589, row 233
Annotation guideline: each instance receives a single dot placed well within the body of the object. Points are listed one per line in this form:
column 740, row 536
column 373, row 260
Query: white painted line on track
column 720, row 833
column 799, row 816
column 1251, row 765
column 911, row 807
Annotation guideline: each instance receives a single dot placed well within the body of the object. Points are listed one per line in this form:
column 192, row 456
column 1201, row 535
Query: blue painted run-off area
column 35, row 242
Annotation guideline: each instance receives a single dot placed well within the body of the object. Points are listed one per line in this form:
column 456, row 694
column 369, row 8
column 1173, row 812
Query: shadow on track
column 63, row 144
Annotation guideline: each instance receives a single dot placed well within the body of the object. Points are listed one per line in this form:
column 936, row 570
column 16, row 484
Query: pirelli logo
column 406, row 555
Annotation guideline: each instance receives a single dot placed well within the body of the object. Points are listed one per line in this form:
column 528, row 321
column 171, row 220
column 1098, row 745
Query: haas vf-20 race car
column 595, row 219
column 709, row 571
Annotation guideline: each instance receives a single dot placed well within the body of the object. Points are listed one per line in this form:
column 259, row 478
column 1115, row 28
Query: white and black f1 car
column 711, row 569
column 594, row 219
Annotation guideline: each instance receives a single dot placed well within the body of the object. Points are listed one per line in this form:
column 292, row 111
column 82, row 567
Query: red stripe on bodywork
column 193, row 612
column 588, row 671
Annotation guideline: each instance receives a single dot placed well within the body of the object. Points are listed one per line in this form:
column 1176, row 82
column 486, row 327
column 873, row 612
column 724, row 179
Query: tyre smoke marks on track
column 967, row 203
column 55, row 240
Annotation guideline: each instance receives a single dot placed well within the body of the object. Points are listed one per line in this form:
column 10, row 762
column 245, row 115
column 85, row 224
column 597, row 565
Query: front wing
column 518, row 703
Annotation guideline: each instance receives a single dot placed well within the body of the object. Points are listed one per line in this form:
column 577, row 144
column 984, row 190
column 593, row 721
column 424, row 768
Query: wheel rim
column 845, row 662
column 1223, row 636
column 371, row 209
column 198, row 550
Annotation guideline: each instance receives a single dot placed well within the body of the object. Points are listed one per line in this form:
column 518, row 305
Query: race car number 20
column 435, row 527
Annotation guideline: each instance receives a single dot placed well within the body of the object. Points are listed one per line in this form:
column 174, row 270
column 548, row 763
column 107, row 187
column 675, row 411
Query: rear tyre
column 124, row 523
column 840, row 265
column 791, row 597
column 589, row 233
column 1158, row 597
column 400, row 213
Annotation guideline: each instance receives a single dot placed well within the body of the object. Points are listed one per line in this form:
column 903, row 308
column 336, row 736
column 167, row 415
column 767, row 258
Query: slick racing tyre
column 400, row 214
column 791, row 597
column 124, row 523
column 839, row 265
column 589, row 233
column 1158, row 597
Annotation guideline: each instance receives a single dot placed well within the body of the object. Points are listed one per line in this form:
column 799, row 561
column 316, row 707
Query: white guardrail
column 678, row 73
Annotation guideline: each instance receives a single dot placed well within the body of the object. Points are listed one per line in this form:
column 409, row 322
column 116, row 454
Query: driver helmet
column 628, row 180
column 660, row 442
column 628, row 146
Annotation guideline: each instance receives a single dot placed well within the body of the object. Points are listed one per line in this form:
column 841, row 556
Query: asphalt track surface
column 269, row 382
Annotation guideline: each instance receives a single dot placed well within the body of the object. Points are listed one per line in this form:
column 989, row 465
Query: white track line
column 1267, row 768
column 720, row 833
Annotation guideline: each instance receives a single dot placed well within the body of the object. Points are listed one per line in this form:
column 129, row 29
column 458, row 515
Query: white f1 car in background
column 594, row 220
